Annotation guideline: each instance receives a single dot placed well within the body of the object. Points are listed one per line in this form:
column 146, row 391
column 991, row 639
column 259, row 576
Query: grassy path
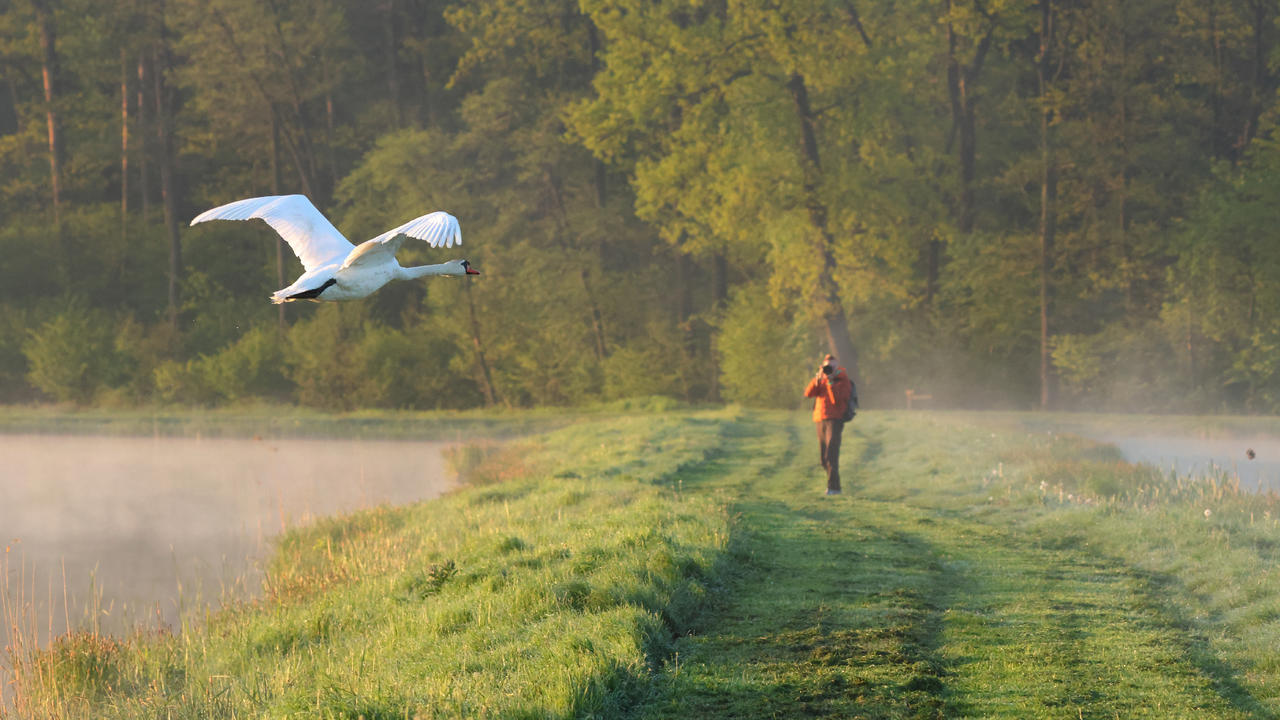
column 898, row 600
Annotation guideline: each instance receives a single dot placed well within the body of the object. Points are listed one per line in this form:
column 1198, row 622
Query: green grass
column 685, row 564
column 293, row 421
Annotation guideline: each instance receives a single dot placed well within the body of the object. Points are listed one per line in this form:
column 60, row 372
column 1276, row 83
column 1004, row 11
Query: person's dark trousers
column 829, row 432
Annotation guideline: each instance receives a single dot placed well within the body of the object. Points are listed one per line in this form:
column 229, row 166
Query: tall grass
column 546, row 587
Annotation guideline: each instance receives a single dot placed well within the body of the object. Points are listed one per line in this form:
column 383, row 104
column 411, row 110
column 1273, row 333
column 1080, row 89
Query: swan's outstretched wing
column 313, row 238
column 437, row 229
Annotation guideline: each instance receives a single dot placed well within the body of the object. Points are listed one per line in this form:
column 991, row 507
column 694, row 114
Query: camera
column 827, row 369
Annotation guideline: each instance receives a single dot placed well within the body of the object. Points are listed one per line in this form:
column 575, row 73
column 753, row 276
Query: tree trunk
column 562, row 217
column 683, row 309
column 275, row 190
column 304, row 177
column 962, row 80
column 1262, row 92
column 1217, row 97
column 328, row 129
column 307, row 147
column 1127, row 259
column 719, row 301
column 490, row 393
column 16, row 127
column 1048, row 194
column 49, row 75
column 124, row 148
column 835, row 323
column 168, row 172
column 392, row 73
column 144, row 164
column 719, row 281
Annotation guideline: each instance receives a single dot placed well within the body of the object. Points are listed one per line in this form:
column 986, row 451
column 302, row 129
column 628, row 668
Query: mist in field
column 1212, row 456
column 141, row 526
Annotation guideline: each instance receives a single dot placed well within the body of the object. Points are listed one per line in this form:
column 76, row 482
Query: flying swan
column 334, row 268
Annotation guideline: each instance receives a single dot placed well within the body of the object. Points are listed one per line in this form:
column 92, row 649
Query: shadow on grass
column 817, row 615
column 816, row 628
column 1159, row 593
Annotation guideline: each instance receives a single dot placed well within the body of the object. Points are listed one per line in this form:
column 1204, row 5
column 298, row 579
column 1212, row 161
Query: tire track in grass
column 1036, row 632
column 1039, row 624
column 895, row 601
column 822, row 618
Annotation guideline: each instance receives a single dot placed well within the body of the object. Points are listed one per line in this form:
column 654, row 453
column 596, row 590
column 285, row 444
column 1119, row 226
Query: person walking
column 834, row 403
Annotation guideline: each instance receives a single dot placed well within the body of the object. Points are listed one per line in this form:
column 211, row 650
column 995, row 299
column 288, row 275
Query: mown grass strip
column 948, row 582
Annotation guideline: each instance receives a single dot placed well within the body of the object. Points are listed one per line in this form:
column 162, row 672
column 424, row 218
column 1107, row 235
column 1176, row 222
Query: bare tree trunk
column 124, row 147
column 49, row 74
column 1122, row 200
column 1048, row 195
column 392, row 73
column 144, row 165
column 168, row 172
column 835, row 323
column 719, row 300
column 13, row 104
column 307, row 147
column 328, row 129
column 275, row 190
column 1263, row 88
column 298, row 161
column 962, row 80
column 490, row 393
column 597, row 317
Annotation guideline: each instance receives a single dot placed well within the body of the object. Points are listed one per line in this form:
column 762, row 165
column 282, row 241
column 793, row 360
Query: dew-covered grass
column 686, row 564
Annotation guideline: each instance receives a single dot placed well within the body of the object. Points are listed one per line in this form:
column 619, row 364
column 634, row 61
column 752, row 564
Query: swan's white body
column 334, row 268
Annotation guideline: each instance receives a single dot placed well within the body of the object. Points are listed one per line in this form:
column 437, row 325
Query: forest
column 1055, row 204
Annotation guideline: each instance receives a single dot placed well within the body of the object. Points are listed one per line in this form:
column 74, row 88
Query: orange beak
column 472, row 271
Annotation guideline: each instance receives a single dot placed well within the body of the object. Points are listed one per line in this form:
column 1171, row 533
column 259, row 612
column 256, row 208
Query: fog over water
column 138, row 516
column 1195, row 455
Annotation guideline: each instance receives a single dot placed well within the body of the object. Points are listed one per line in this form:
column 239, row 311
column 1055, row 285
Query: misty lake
column 1195, row 455
column 147, row 524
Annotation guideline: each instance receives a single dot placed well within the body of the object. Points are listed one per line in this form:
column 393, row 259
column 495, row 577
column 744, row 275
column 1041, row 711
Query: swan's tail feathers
column 278, row 297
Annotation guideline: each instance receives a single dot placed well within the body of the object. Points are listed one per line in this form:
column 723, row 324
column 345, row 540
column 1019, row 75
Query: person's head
column 829, row 363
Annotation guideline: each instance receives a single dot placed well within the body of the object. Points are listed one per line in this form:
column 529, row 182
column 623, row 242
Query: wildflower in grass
column 1207, row 513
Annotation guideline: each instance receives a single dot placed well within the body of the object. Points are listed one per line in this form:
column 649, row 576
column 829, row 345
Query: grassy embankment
column 974, row 569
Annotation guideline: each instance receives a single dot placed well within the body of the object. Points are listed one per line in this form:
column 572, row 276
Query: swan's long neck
column 412, row 273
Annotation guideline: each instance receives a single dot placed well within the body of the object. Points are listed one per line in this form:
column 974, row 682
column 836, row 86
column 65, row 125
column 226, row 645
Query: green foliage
column 339, row 359
column 620, row 168
column 250, row 368
column 73, row 355
column 766, row 357
column 13, row 363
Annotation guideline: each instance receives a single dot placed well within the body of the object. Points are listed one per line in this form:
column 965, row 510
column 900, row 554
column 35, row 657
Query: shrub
column 340, row 359
column 763, row 361
column 250, row 367
column 13, row 363
column 73, row 355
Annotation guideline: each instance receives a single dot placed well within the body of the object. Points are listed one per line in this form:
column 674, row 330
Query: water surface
column 149, row 524
column 1199, row 456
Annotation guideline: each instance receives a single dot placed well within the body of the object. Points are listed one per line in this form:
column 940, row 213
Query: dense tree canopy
column 1015, row 203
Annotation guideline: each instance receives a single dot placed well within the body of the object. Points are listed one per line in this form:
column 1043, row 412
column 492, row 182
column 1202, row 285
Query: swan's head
column 460, row 267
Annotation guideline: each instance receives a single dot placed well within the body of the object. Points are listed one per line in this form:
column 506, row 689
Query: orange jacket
column 831, row 395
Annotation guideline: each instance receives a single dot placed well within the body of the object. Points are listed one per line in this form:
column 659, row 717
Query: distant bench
column 914, row 397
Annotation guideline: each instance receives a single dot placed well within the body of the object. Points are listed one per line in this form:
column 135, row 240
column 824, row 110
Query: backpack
column 850, row 408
